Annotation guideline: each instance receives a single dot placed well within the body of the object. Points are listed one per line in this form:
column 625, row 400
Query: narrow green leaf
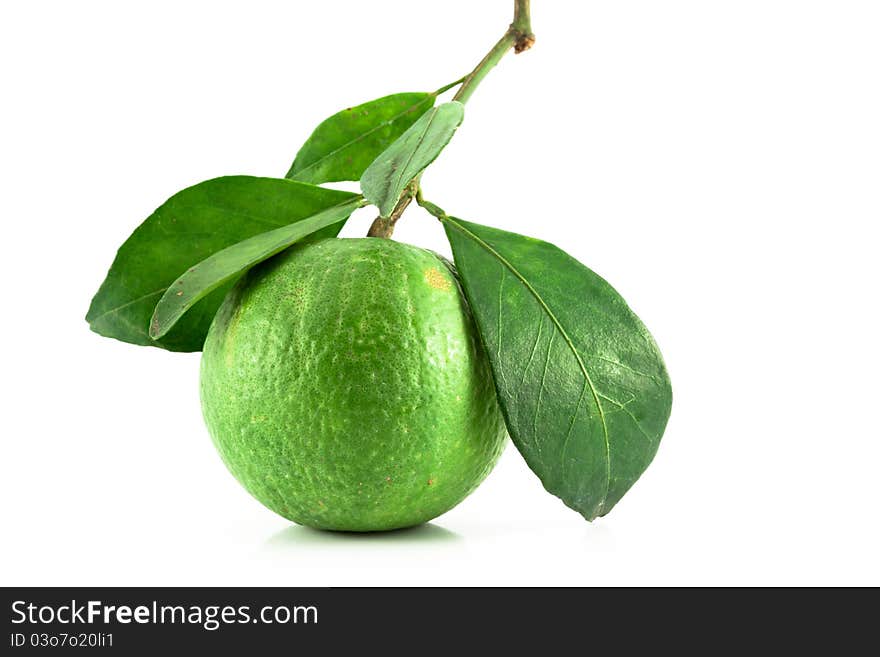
column 230, row 263
column 386, row 178
column 186, row 229
column 343, row 146
column 581, row 382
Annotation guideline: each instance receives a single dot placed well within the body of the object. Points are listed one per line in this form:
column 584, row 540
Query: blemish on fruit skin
column 435, row 279
column 229, row 338
column 431, row 482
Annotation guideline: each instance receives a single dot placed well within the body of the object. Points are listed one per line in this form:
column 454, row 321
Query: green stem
column 518, row 36
column 522, row 22
column 384, row 228
column 432, row 209
column 449, row 86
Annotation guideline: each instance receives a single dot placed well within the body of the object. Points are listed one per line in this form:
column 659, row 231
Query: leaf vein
column 635, row 420
column 577, row 409
column 127, row 304
column 360, row 137
column 534, row 350
column 399, row 172
column 566, row 337
column 626, row 367
column 541, row 388
column 500, row 300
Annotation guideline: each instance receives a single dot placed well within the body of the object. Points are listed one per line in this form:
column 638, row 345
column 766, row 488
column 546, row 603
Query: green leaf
column 387, row 177
column 192, row 225
column 581, row 383
column 230, row 263
column 343, row 146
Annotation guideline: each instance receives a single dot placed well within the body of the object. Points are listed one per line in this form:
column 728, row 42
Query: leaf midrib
column 361, row 137
column 565, row 336
column 183, row 304
column 399, row 172
column 116, row 309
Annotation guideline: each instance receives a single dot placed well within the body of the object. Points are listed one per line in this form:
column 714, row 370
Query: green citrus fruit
column 345, row 386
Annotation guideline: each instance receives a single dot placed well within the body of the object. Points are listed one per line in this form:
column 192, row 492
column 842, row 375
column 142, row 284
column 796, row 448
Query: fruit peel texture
column 345, row 386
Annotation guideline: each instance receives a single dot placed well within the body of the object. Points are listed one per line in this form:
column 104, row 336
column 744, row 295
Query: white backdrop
column 717, row 162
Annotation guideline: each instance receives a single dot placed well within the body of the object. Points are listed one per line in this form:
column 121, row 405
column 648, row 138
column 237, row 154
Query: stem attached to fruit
column 382, row 227
column 519, row 37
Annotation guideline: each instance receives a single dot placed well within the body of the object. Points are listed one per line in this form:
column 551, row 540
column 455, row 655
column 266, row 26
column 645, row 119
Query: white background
column 718, row 162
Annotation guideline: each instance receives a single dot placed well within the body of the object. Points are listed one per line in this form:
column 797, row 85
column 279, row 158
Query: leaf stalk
column 431, row 208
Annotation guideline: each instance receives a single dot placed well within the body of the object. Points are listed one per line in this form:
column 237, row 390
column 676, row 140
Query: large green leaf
column 343, row 146
column 230, row 263
column 186, row 229
column 581, row 382
column 387, row 177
